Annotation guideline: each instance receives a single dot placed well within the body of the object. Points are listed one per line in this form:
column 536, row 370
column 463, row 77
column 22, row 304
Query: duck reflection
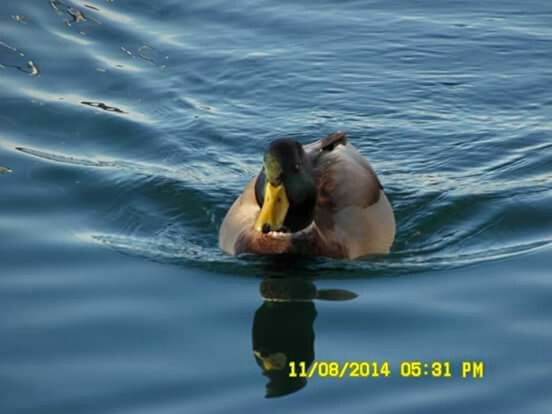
column 283, row 330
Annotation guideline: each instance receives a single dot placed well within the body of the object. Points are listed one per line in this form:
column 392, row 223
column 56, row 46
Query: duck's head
column 285, row 189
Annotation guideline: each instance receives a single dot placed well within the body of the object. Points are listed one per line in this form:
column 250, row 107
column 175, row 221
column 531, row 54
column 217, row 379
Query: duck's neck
column 300, row 215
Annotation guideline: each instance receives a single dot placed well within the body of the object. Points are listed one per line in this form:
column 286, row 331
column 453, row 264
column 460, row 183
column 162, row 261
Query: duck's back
column 352, row 208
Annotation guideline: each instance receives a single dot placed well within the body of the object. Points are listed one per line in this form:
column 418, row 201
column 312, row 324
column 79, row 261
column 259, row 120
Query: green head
column 285, row 189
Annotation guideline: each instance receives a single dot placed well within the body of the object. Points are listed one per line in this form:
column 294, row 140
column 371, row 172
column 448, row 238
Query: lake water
column 127, row 128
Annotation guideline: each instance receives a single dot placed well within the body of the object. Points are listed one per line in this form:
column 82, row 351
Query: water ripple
column 127, row 129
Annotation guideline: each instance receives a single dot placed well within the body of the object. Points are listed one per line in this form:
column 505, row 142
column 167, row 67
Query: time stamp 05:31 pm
column 384, row 369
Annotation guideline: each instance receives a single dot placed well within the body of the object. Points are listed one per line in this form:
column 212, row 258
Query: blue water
column 127, row 128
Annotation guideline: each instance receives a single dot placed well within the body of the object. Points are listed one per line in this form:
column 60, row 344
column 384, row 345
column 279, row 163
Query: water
column 128, row 127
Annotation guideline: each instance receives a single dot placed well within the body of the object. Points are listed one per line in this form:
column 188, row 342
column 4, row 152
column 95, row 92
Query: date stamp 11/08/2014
column 384, row 369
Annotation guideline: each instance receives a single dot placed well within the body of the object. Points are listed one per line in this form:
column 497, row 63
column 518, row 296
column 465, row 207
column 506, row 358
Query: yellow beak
column 275, row 208
column 273, row 362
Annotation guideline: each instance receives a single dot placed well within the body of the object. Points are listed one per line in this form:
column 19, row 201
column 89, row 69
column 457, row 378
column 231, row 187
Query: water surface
column 127, row 128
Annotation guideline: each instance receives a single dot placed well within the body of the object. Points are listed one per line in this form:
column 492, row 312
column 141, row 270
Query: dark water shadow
column 283, row 337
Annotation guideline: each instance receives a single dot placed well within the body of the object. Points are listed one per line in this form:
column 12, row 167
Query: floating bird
column 319, row 199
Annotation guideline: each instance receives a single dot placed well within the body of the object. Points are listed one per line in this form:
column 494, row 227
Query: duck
column 319, row 199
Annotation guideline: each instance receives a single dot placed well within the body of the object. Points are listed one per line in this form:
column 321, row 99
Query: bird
column 321, row 199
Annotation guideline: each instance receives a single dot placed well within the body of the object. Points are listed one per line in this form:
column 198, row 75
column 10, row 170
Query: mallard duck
column 319, row 199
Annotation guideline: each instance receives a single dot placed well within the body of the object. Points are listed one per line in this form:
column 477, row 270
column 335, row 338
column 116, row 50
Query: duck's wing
column 352, row 207
column 343, row 175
